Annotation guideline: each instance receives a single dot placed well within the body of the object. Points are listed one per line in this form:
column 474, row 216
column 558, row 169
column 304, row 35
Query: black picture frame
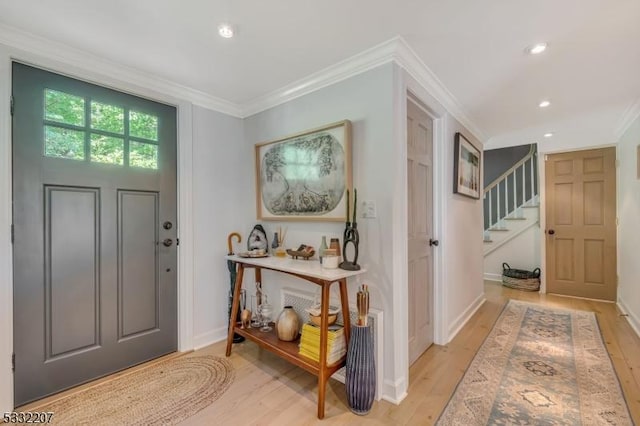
column 466, row 168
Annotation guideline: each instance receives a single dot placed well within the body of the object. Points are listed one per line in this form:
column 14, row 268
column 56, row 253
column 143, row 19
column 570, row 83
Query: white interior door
column 420, row 221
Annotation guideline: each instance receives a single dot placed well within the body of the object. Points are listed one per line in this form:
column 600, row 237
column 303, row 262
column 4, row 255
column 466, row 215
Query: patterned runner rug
column 539, row 366
column 161, row 394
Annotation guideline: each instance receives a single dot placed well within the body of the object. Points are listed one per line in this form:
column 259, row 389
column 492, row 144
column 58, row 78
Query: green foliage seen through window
column 107, row 149
column 143, row 155
column 143, row 125
column 63, row 108
column 109, row 118
column 63, row 143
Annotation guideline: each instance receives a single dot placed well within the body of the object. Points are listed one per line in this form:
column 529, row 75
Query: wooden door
column 420, row 214
column 581, row 223
column 94, row 211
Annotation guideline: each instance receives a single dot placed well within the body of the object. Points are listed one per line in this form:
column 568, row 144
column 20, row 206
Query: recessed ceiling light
column 544, row 104
column 536, row 48
column 225, row 30
column 548, row 135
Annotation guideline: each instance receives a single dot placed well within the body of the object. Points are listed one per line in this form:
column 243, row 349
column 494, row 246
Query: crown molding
column 357, row 64
column 34, row 49
column 394, row 50
column 409, row 60
column 628, row 118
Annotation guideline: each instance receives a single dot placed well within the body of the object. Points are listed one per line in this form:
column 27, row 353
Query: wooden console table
column 307, row 270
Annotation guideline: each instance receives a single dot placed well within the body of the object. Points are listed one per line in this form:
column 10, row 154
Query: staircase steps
column 535, row 206
column 487, row 241
column 515, row 218
column 499, row 229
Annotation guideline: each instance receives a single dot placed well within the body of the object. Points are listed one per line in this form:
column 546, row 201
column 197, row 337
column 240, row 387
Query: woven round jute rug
column 163, row 393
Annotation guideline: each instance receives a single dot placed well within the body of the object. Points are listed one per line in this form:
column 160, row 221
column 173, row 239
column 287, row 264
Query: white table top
column 311, row 268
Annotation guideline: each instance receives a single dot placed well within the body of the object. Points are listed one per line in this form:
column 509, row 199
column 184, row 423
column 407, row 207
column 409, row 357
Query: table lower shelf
column 286, row 350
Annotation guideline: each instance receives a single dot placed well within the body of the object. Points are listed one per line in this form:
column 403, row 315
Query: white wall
column 365, row 100
column 223, row 195
column 629, row 227
column 522, row 252
column 462, row 242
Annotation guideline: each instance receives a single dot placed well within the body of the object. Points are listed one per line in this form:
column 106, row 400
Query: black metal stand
column 350, row 236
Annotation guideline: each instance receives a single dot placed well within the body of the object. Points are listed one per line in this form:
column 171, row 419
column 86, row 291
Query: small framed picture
column 466, row 168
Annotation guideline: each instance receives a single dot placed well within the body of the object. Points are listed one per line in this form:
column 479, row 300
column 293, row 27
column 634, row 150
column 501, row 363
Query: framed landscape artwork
column 466, row 168
column 305, row 176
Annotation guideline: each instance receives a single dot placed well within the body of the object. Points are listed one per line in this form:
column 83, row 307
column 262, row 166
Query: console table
column 308, row 270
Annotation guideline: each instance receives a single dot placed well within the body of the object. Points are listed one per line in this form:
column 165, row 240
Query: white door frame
column 93, row 71
column 438, row 113
column 406, row 86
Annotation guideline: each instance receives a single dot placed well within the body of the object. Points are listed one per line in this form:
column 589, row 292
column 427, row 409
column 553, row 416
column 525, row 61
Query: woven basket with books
column 520, row 279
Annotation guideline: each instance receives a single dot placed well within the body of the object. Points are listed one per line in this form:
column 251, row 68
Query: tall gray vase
column 360, row 380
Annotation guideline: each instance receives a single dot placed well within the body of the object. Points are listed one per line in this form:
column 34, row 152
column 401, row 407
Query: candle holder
column 350, row 236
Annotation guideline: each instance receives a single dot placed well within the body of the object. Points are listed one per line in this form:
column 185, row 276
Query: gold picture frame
column 305, row 176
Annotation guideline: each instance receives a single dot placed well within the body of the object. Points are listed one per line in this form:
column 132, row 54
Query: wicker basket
column 520, row 279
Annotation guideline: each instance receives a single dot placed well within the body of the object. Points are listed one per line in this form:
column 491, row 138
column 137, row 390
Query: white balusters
column 532, row 180
column 507, row 194
column 515, row 196
column 490, row 208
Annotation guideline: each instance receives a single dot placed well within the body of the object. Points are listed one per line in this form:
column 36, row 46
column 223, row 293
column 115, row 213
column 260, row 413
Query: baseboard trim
column 634, row 321
column 390, row 391
column 489, row 276
column 457, row 325
column 210, row 337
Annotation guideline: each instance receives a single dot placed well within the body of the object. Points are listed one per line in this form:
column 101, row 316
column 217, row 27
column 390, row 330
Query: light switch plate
column 369, row 210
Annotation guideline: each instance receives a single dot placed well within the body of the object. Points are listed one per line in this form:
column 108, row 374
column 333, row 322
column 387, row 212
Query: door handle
column 433, row 242
column 167, row 242
column 551, row 232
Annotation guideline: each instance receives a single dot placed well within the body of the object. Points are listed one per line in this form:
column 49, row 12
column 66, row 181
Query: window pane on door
column 143, row 155
column 108, row 118
column 107, row 149
column 143, row 125
column 63, row 143
column 63, row 107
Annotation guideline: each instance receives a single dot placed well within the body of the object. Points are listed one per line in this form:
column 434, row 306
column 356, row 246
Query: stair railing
column 511, row 190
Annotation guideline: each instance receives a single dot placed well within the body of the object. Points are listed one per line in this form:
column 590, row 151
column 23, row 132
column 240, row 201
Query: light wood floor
column 269, row 391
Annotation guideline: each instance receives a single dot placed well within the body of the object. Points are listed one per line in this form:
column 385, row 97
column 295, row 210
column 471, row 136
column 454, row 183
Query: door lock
column 168, row 242
column 167, row 225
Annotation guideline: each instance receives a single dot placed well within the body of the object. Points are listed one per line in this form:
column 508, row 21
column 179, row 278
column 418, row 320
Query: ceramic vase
column 360, row 381
column 288, row 324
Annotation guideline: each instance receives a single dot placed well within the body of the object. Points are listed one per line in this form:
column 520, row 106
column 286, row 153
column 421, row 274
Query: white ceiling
column 590, row 72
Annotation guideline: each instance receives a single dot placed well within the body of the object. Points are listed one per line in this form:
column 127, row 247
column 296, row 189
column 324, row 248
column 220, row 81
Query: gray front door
column 94, row 213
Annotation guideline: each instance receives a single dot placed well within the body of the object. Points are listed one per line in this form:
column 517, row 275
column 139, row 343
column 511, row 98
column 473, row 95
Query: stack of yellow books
column 310, row 343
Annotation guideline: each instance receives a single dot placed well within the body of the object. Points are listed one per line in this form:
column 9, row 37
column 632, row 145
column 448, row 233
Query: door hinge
column 11, row 104
column 177, row 241
column 13, row 362
column 13, row 233
column 546, row 157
